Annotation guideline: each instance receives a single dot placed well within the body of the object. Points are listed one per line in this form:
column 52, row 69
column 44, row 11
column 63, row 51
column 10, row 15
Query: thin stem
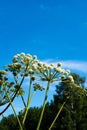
column 14, row 110
column 16, row 81
column 12, row 97
column 28, row 101
column 44, row 104
column 23, row 100
column 57, row 116
column 14, row 94
column 43, row 74
column 54, row 75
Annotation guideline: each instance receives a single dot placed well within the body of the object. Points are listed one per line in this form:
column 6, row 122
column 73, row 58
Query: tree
column 9, row 123
column 72, row 117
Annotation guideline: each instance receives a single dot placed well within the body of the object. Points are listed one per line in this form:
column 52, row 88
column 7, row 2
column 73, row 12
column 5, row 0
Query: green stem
column 15, row 93
column 14, row 110
column 44, row 104
column 16, row 81
column 28, row 102
column 23, row 101
column 13, row 96
column 57, row 116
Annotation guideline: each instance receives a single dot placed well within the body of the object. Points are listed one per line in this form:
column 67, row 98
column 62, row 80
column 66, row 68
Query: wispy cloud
column 56, row 9
column 76, row 65
column 70, row 64
column 43, row 7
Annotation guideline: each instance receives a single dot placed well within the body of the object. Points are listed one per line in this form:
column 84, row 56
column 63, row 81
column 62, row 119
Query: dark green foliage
column 32, row 118
column 73, row 116
column 47, row 118
column 9, row 123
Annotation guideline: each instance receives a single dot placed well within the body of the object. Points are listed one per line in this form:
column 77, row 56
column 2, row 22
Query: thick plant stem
column 28, row 102
column 57, row 116
column 43, row 107
column 27, row 108
column 14, row 110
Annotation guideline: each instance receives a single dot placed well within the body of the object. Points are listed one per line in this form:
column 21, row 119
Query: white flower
column 15, row 56
column 59, row 70
column 3, row 72
column 34, row 67
column 71, row 78
column 63, row 71
column 50, row 67
column 27, row 58
column 28, row 55
column 22, row 61
column 31, row 71
column 59, row 64
column 51, row 74
column 15, row 60
column 22, row 54
column 34, row 57
column 40, row 64
column 44, row 65
column 67, row 72
column 18, row 55
column 63, row 77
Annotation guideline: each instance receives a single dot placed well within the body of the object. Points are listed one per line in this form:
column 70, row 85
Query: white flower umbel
column 50, row 73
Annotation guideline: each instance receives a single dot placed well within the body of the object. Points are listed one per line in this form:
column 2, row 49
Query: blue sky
column 51, row 29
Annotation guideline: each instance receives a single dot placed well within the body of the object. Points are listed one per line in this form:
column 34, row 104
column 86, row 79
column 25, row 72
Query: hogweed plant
column 26, row 66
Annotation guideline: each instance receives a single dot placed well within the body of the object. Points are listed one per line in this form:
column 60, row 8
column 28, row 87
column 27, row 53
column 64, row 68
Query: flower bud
column 59, row 64
column 31, row 71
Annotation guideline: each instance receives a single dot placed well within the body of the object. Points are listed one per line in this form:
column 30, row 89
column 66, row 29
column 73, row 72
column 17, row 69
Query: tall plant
column 26, row 66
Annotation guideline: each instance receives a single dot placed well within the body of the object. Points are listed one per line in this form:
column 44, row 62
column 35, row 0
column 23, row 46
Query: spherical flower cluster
column 2, row 72
column 70, row 78
column 53, row 73
column 5, row 84
column 38, row 87
column 23, row 64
